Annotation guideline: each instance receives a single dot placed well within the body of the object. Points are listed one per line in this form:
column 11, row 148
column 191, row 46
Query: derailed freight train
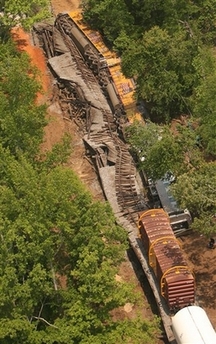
column 165, row 256
column 94, row 59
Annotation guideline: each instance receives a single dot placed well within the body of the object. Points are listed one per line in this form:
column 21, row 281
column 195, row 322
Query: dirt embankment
column 59, row 6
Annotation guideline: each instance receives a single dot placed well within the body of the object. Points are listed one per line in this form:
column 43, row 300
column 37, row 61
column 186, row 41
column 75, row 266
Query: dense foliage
column 197, row 191
column 60, row 250
column 22, row 123
column 179, row 149
column 21, row 12
column 59, row 256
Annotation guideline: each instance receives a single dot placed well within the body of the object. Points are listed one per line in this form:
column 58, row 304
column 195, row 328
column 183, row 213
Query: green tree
column 126, row 331
column 57, row 156
column 196, row 191
column 188, row 138
column 166, row 148
column 23, row 12
column 204, row 17
column 146, row 13
column 59, row 255
column 157, row 149
column 203, row 99
column 101, row 14
column 162, row 67
column 165, row 155
column 194, row 17
column 22, row 121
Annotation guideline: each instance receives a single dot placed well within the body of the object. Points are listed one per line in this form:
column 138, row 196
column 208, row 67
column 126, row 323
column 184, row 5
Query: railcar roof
column 168, row 202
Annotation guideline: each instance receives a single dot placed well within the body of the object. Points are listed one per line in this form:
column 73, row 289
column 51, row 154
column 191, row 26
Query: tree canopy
column 59, row 252
column 21, row 12
column 204, row 106
column 162, row 65
column 162, row 148
column 22, row 122
column 178, row 149
column 197, row 191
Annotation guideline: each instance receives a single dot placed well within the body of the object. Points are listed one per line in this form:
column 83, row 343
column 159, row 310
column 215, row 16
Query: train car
column 192, row 325
column 175, row 279
column 79, row 39
column 161, row 196
column 114, row 100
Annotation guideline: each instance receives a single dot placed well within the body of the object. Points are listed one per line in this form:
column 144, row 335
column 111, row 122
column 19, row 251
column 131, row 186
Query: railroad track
column 126, row 189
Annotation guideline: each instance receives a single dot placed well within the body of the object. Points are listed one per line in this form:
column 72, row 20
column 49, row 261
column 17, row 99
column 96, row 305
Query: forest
column 48, row 237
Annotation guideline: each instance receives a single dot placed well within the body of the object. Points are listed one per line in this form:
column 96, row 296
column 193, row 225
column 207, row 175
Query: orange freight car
column 165, row 256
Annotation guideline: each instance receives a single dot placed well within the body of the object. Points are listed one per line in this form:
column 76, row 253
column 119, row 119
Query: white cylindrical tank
column 191, row 325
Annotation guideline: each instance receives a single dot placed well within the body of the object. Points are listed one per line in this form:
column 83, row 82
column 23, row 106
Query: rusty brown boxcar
column 175, row 279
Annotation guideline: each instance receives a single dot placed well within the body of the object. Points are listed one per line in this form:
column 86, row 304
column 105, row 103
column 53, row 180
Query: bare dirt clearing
column 203, row 263
column 59, row 6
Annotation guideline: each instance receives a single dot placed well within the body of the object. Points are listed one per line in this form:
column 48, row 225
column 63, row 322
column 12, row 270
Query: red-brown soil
column 59, row 6
column 203, row 263
column 36, row 54
column 201, row 259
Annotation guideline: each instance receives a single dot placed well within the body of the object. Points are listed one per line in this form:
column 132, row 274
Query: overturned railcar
column 165, row 256
column 79, row 39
